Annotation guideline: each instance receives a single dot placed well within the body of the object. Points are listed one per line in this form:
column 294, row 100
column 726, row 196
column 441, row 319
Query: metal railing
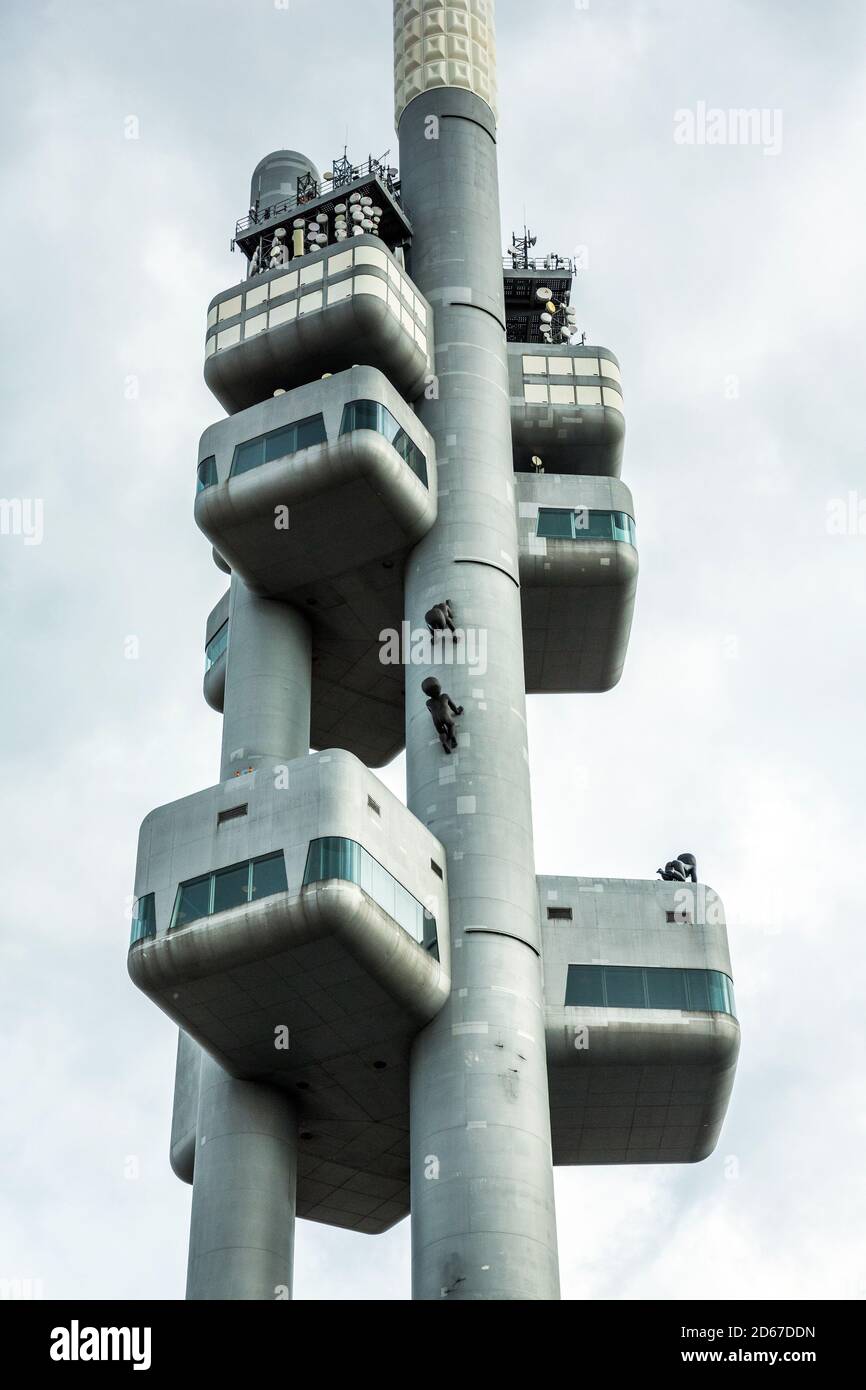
column 517, row 262
column 372, row 168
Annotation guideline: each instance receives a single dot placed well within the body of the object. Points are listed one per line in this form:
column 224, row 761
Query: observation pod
column 578, row 575
column 349, row 461
column 317, row 912
column 315, row 498
column 344, row 305
column 642, row 1035
column 566, row 408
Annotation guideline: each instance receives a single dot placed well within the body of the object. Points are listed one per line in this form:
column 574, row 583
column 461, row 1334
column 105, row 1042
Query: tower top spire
column 443, row 43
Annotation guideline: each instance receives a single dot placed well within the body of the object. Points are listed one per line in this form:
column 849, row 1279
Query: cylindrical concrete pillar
column 243, row 1205
column 483, row 1221
column 242, row 1226
column 266, row 714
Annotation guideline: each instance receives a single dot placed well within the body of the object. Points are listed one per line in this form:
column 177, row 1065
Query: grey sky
column 730, row 282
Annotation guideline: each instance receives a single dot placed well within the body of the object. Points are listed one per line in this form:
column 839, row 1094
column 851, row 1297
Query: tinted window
column 406, row 911
column 248, row 456
column 207, row 474
column 641, row 987
column 699, row 990
column 280, row 443
column 371, row 415
column 556, row 523
column 335, row 857
column 360, row 415
column 193, row 901
column 382, row 889
column 624, row 987
column 231, row 888
column 143, row 919
column 311, row 432
column 431, row 941
column 581, row 524
column 289, row 439
column 666, row 989
column 269, row 876
column 216, row 646
column 585, row 985
column 719, row 1001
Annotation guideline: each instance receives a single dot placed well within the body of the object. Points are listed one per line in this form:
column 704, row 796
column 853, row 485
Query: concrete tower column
column 266, row 717
column 242, row 1230
column 483, row 1221
column 242, row 1225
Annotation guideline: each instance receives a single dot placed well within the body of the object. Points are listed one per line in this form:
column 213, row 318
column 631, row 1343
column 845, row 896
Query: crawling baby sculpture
column 442, row 708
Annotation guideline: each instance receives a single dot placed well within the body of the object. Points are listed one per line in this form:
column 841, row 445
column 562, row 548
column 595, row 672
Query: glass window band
column 583, row 524
column 224, row 889
column 649, row 987
column 332, row 856
column 206, row 474
column 371, row 415
column 216, row 646
column 143, row 920
column 289, row 439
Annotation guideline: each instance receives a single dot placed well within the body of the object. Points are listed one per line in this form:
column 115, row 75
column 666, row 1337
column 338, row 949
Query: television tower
column 416, row 494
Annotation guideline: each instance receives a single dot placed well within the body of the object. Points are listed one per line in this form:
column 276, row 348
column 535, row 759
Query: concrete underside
column 652, row 1087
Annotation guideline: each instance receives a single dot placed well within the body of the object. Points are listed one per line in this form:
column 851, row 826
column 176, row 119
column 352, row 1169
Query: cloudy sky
column 729, row 279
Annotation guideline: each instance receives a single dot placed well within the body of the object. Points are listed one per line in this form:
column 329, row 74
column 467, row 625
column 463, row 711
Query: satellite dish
column 328, row 174
column 322, row 217
column 280, row 232
column 543, row 293
column 354, row 197
column 299, row 222
column 551, row 307
column 545, row 318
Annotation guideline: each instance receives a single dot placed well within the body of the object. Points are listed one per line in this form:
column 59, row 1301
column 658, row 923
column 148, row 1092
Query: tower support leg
column 242, row 1228
column 483, row 1219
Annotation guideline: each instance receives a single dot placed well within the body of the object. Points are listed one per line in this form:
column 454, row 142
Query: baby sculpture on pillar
column 440, row 618
column 442, row 709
